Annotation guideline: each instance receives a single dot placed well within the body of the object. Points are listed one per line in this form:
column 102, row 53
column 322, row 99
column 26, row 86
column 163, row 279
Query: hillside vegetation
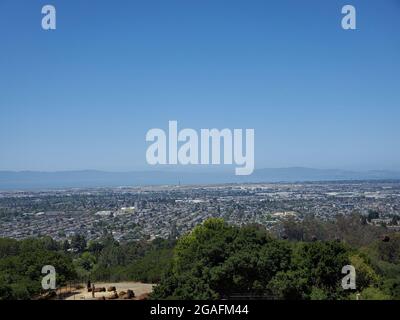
column 296, row 260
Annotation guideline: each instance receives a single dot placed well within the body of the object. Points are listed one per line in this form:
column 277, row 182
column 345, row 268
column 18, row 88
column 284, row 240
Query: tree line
column 296, row 260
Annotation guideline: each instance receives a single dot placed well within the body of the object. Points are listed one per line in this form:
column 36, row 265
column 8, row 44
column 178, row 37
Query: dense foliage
column 297, row 260
column 141, row 261
column 21, row 264
column 220, row 261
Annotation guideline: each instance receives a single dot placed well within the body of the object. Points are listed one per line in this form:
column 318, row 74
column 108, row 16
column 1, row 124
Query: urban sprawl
column 137, row 213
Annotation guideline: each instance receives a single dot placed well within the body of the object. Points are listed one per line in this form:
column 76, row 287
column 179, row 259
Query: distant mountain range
column 22, row 180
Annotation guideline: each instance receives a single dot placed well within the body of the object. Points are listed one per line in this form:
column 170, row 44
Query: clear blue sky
column 84, row 96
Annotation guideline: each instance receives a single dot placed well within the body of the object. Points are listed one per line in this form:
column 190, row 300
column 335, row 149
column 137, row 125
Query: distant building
column 103, row 213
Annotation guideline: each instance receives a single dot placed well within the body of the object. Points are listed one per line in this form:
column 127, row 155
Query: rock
column 129, row 294
column 113, row 296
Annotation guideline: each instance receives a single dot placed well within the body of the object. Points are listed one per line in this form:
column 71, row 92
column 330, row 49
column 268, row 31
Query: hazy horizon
column 39, row 180
column 199, row 169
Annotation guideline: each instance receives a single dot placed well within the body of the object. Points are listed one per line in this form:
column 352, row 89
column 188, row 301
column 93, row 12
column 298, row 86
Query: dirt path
column 137, row 287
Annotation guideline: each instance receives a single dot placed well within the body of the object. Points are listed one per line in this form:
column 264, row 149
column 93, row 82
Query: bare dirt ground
column 140, row 289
